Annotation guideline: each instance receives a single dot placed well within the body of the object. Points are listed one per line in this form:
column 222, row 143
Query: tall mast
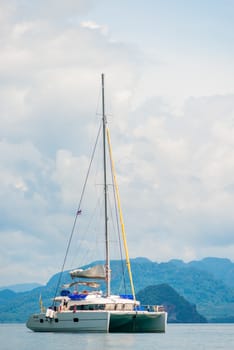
column 104, row 122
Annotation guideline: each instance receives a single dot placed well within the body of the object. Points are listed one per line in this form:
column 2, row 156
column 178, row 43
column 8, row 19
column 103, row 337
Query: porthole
column 41, row 320
column 75, row 319
column 56, row 320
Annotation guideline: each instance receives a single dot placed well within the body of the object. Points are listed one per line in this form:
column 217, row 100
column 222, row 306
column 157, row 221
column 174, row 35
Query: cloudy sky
column 169, row 67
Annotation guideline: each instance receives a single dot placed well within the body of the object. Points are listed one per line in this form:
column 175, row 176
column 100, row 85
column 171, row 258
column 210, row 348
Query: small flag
column 79, row 212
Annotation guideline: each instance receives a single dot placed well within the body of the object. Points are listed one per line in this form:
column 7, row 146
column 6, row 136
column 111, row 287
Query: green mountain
column 201, row 283
column 178, row 308
column 221, row 269
column 208, row 284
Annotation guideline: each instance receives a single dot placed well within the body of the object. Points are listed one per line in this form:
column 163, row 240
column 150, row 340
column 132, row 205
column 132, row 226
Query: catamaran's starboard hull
column 138, row 322
column 90, row 322
column 100, row 322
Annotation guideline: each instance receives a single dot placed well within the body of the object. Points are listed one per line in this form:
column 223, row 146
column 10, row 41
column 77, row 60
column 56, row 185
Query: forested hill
column 208, row 284
column 178, row 308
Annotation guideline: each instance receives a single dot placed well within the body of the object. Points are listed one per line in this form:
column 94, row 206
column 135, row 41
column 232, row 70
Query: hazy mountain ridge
column 203, row 283
column 24, row 287
column 221, row 268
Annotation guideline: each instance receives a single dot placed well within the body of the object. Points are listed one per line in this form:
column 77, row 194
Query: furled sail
column 97, row 272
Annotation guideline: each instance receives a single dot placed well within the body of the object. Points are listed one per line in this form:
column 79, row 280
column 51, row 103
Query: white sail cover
column 97, row 272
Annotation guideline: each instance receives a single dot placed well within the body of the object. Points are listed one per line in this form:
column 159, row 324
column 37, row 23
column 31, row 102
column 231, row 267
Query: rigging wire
column 80, row 249
column 118, row 231
column 121, row 217
column 77, row 213
column 86, row 230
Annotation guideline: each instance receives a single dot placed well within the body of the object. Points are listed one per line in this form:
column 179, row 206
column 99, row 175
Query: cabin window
column 41, row 320
column 119, row 307
column 99, row 307
column 75, row 319
column 89, row 307
column 110, row 307
column 56, row 320
column 75, row 307
column 128, row 307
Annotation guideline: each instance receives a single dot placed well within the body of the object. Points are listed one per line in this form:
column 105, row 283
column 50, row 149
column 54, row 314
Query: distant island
column 194, row 292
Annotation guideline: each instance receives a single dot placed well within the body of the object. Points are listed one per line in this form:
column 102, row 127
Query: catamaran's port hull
column 100, row 322
column 95, row 322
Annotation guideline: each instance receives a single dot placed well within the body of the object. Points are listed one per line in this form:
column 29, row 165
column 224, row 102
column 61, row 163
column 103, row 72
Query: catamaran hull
column 100, row 322
column 95, row 322
column 140, row 322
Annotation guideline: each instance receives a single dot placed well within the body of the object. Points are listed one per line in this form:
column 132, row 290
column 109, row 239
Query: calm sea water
column 177, row 337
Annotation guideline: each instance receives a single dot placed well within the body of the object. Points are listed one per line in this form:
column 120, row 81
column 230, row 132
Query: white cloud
column 94, row 26
column 180, row 180
column 47, row 9
column 175, row 169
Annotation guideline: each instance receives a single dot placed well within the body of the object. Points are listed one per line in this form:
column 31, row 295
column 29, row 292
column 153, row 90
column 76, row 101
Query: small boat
column 92, row 310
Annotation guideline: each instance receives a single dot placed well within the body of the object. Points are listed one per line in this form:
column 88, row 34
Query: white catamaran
column 92, row 310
